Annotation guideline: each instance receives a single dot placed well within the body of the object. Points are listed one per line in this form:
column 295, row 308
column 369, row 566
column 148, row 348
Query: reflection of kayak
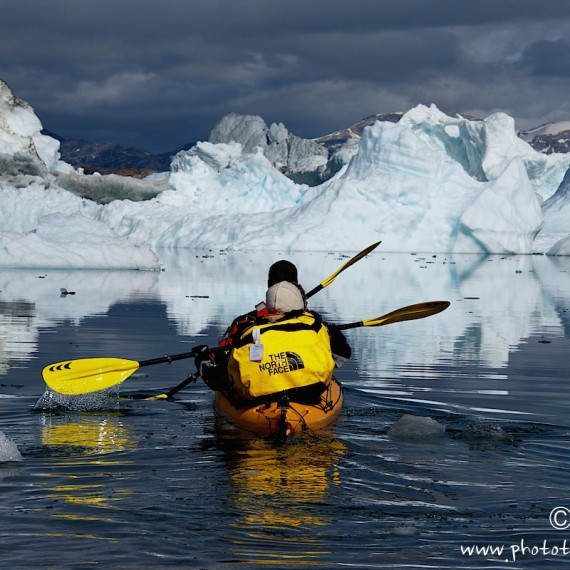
column 283, row 416
column 283, row 487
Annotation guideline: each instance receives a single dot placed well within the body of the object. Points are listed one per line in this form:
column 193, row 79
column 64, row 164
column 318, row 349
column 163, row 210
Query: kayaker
column 304, row 369
column 282, row 270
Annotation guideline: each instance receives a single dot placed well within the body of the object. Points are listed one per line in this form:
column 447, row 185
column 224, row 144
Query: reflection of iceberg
column 496, row 302
column 199, row 289
column 510, row 305
column 554, row 276
column 95, row 291
column 32, row 300
column 18, row 333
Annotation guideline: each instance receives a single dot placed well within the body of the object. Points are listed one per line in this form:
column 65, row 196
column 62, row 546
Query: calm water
column 130, row 483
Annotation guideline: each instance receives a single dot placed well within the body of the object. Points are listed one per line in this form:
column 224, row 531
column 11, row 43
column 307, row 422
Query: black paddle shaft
column 168, row 359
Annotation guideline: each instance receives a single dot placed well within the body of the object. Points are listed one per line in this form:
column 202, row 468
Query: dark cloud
column 159, row 74
column 547, row 58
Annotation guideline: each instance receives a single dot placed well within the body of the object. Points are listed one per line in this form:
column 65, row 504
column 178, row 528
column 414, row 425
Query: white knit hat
column 284, row 297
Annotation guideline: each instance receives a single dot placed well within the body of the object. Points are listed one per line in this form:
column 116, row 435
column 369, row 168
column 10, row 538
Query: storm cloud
column 156, row 75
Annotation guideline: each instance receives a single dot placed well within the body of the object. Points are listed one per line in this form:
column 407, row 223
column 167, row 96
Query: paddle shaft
column 189, row 380
column 183, row 384
column 167, row 359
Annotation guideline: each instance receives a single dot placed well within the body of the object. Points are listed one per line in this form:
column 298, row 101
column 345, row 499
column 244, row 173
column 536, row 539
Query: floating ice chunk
column 8, row 450
column 416, row 427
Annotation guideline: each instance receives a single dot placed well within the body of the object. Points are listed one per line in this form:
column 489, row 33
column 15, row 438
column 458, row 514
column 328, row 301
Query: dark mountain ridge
column 109, row 157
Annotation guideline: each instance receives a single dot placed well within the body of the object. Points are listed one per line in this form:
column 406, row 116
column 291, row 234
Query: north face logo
column 295, row 361
column 282, row 362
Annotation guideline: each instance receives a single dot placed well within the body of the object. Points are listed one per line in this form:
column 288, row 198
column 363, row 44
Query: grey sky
column 157, row 74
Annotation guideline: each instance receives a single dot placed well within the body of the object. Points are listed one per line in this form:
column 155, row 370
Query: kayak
column 283, row 417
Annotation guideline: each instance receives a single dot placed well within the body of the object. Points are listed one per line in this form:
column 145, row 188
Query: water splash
column 106, row 400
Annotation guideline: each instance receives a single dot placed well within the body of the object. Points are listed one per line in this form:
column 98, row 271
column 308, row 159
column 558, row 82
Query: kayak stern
column 284, row 417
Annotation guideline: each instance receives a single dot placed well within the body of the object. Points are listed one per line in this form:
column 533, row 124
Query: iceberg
column 284, row 150
column 102, row 248
column 428, row 183
column 41, row 223
column 554, row 238
column 21, row 137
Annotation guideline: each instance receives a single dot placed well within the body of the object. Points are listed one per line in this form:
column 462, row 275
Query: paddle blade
column 350, row 262
column 409, row 313
column 85, row 375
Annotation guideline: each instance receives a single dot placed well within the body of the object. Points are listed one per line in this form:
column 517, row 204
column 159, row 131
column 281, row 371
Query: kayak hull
column 284, row 418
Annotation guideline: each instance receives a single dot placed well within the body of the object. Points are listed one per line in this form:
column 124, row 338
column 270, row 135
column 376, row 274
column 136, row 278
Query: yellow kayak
column 284, row 417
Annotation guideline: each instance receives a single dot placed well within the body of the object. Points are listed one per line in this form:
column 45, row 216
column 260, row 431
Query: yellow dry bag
column 276, row 356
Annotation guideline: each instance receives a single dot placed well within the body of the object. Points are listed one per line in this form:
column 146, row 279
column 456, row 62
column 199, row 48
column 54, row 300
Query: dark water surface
column 117, row 482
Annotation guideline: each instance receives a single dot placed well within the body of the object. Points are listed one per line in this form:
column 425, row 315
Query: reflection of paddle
column 75, row 377
column 350, row 262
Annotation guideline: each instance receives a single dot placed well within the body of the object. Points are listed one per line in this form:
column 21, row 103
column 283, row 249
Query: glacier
column 428, row 183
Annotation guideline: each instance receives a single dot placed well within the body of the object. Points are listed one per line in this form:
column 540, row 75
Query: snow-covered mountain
column 549, row 138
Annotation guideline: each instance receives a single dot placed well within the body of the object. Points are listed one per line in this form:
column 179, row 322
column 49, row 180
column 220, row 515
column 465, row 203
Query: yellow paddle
column 75, row 377
column 350, row 262
column 408, row 313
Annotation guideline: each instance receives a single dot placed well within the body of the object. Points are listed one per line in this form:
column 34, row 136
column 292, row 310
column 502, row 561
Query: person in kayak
column 285, row 348
column 282, row 270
